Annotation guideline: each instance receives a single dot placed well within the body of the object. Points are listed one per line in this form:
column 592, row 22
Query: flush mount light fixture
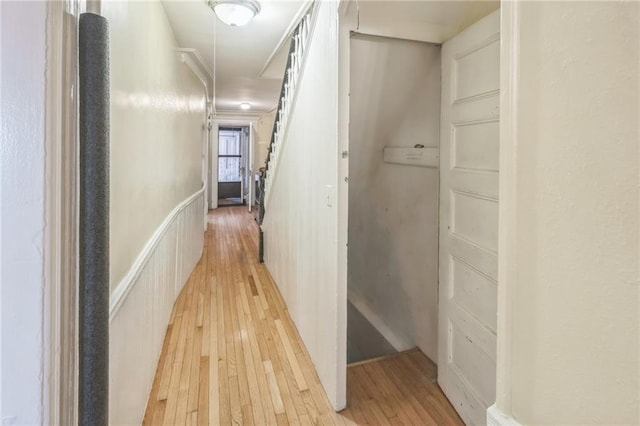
column 245, row 105
column 235, row 13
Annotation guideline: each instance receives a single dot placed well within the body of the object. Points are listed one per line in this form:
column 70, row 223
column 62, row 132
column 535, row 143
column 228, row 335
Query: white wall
column 158, row 128
column 433, row 21
column 300, row 227
column 393, row 209
column 158, row 110
column 264, row 130
column 570, row 225
column 22, row 212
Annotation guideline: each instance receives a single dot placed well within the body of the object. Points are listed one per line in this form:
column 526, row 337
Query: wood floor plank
column 293, row 360
column 158, row 413
column 249, row 368
column 287, row 399
column 155, row 388
column 178, row 363
column 233, row 356
column 203, row 392
column 224, row 415
column 274, row 390
column 194, row 375
column 181, row 416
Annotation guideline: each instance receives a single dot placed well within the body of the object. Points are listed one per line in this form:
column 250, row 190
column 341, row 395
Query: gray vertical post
column 93, row 56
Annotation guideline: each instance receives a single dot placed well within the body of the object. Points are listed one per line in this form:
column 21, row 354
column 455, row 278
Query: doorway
column 423, row 209
column 232, row 165
column 393, row 273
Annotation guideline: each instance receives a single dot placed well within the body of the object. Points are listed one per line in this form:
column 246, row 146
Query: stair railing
column 297, row 53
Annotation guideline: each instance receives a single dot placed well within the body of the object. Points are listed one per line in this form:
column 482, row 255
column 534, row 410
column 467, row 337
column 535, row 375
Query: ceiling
column 248, row 64
column 423, row 20
column 250, row 60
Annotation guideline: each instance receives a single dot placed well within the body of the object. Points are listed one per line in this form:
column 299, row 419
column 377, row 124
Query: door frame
column 60, row 370
column 217, row 122
column 510, row 12
column 500, row 412
column 238, row 132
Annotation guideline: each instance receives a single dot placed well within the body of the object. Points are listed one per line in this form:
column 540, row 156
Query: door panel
column 469, row 218
column 475, row 219
column 474, row 70
column 475, row 146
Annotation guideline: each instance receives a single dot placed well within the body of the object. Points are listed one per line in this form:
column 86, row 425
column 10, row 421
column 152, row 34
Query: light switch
column 330, row 195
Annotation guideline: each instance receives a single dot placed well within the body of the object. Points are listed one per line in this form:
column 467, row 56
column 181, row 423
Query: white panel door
column 469, row 218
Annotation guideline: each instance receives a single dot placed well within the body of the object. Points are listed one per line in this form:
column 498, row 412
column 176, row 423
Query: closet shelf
column 409, row 156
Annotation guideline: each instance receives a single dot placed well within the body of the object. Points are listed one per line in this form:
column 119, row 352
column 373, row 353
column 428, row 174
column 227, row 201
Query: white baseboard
column 398, row 341
column 141, row 305
column 495, row 417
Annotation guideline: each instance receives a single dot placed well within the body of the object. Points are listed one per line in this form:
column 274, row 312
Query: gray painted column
column 93, row 392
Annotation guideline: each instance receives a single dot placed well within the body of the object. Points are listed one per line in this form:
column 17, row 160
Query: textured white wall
column 22, row 211
column 158, row 118
column 300, row 227
column 393, row 209
column 574, row 217
column 263, row 139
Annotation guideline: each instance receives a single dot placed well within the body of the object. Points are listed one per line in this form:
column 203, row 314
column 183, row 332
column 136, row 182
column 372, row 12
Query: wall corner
column 496, row 417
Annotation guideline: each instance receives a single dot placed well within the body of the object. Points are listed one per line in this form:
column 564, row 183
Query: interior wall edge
column 495, row 417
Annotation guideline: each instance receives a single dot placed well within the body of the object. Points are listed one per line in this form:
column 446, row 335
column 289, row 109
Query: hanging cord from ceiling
column 215, row 70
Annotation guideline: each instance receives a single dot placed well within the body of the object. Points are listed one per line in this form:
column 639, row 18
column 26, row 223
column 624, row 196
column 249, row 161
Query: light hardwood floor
column 232, row 355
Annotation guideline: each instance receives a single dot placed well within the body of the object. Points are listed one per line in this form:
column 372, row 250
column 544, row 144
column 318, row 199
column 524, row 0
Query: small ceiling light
column 245, row 105
column 235, row 13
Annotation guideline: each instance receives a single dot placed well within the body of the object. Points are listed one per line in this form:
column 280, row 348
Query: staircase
column 297, row 52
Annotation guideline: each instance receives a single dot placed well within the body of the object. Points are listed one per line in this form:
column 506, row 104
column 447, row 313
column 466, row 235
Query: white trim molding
column 60, row 252
column 495, row 417
column 508, row 194
column 141, row 305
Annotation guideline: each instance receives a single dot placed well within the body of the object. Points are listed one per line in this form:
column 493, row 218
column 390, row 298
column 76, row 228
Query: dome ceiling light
column 235, row 13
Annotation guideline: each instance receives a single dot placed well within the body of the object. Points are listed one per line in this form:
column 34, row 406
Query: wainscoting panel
column 141, row 305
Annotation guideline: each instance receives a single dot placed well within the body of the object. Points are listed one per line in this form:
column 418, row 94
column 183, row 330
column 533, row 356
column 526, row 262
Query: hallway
column 231, row 310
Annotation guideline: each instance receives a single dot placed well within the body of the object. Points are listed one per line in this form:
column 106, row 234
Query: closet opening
column 423, row 140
